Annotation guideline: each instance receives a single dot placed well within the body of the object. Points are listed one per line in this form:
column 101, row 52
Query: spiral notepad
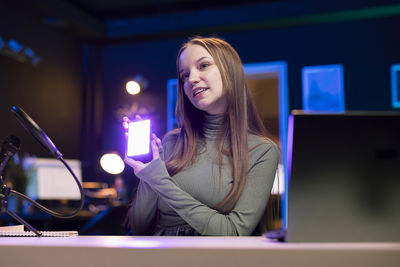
column 18, row 231
column 44, row 234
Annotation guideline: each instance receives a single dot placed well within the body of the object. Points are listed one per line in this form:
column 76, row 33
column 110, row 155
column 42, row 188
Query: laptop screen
column 344, row 177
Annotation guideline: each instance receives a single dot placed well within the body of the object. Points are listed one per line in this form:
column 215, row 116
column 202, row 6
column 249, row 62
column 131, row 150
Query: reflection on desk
column 191, row 251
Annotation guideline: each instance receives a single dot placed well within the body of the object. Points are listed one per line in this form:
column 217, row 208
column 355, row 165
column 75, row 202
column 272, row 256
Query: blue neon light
column 395, row 79
column 15, row 46
column 172, row 95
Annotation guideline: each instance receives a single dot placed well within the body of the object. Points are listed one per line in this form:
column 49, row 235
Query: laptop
column 344, row 177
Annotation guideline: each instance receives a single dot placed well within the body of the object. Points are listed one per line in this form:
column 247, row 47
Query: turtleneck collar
column 212, row 124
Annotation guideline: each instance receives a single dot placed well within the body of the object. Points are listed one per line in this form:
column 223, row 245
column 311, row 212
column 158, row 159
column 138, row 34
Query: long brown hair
column 241, row 119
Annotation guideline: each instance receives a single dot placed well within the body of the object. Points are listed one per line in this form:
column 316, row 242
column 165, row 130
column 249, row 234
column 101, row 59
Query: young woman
column 213, row 175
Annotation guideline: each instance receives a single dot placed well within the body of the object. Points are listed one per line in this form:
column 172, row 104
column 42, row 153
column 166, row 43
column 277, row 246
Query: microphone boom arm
column 45, row 141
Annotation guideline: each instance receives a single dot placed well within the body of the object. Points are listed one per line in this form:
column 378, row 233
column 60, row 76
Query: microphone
column 35, row 131
column 9, row 147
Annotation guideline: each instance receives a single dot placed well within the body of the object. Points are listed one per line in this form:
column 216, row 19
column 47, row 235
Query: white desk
column 110, row 251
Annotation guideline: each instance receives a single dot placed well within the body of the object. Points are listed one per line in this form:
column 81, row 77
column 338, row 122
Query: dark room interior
column 66, row 63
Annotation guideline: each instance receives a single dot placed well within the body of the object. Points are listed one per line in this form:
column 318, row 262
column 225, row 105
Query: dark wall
column 49, row 92
column 366, row 48
column 155, row 61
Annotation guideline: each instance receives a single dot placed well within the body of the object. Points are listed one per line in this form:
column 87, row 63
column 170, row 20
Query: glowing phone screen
column 138, row 138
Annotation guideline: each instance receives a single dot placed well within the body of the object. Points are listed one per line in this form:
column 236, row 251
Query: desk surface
column 190, row 251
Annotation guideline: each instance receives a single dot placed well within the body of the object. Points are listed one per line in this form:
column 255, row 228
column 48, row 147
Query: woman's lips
column 198, row 91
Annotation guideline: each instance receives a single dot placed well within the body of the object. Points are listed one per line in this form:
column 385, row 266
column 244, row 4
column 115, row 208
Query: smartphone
column 139, row 135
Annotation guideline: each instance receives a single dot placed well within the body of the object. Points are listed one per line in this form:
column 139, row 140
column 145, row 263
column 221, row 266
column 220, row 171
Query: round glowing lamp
column 132, row 87
column 112, row 163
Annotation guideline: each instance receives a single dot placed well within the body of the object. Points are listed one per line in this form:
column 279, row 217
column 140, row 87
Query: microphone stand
column 4, row 193
column 45, row 141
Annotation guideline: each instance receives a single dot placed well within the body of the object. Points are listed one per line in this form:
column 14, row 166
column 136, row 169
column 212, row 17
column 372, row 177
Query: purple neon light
column 138, row 138
column 290, row 144
column 289, row 163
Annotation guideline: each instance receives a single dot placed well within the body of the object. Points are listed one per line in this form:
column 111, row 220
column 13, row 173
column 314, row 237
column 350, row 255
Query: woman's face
column 202, row 80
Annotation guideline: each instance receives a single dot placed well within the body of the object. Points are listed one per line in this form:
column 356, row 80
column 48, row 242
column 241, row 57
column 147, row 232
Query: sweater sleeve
column 246, row 214
column 142, row 213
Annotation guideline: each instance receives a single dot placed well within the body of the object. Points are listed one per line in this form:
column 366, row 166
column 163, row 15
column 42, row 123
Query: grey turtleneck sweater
column 189, row 196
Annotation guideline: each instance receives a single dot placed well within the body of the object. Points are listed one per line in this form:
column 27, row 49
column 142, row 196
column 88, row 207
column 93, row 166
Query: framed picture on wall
column 395, row 79
column 323, row 88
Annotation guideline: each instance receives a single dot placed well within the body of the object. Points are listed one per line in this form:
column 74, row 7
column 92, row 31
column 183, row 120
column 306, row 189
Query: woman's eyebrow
column 200, row 59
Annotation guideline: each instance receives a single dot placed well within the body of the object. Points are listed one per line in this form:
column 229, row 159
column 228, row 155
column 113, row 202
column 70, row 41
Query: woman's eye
column 184, row 76
column 204, row 65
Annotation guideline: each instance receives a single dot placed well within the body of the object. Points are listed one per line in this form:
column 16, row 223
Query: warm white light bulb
column 132, row 87
column 112, row 163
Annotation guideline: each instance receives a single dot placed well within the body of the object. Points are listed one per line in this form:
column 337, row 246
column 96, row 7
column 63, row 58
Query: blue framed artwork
column 395, row 77
column 323, row 88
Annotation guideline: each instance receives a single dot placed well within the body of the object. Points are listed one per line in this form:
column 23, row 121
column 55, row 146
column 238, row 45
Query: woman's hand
column 137, row 166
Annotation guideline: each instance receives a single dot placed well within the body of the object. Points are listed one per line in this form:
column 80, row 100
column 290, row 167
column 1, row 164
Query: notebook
column 344, row 177
column 18, row 231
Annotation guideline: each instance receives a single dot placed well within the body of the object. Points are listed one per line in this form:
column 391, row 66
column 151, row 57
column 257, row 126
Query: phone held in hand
column 139, row 135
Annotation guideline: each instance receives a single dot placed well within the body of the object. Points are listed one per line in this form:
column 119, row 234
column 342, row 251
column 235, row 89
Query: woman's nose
column 194, row 77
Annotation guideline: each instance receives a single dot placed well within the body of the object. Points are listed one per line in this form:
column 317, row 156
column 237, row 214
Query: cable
column 54, row 213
